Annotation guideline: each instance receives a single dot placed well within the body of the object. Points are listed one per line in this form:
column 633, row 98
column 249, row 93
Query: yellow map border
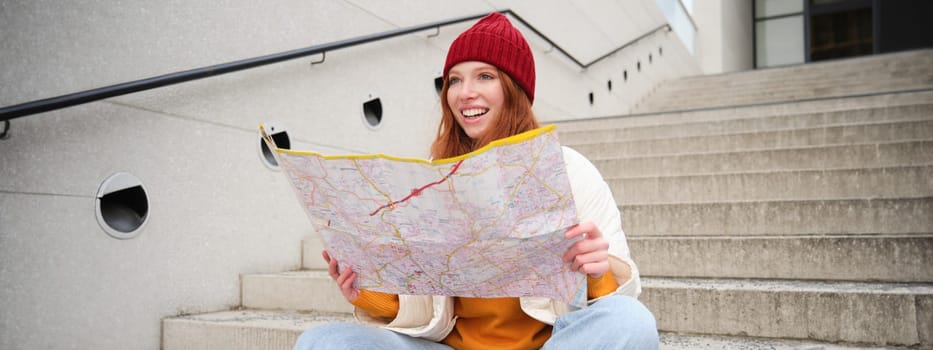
column 511, row 140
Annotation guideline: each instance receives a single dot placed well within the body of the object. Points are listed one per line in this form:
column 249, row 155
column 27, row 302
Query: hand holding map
column 490, row 223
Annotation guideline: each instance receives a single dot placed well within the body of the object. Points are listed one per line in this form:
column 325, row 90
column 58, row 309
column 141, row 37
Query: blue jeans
column 614, row 322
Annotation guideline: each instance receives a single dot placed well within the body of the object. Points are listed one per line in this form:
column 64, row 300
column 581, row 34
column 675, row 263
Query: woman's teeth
column 474, row 112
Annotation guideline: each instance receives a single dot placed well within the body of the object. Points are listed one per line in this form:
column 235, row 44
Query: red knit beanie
column 495, row 41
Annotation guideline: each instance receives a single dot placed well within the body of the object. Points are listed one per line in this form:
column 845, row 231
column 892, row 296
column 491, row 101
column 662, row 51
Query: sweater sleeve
column 377, row 304
column 600, row 287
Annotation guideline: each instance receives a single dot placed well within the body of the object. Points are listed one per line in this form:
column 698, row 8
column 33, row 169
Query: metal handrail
column 630, row 43
column 68, row 100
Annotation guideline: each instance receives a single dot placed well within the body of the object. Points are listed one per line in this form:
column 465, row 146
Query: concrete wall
column 215, row 211
column 725, row 36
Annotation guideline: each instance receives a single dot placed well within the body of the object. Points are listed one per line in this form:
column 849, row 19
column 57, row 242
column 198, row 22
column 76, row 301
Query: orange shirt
column 497, row 323
column 485, row 323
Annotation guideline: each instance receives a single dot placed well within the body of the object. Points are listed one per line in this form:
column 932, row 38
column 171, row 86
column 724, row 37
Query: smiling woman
column 487, row 91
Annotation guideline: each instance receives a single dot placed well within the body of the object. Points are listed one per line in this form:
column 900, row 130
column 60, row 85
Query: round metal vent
column 122, row 206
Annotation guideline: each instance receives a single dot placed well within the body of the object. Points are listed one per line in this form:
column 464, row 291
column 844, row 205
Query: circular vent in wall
column 122, row 206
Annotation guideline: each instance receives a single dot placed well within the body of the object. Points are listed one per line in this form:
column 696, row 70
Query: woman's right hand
column 344, row 278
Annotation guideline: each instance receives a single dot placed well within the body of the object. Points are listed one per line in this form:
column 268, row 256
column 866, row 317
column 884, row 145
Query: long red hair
column 516, row 118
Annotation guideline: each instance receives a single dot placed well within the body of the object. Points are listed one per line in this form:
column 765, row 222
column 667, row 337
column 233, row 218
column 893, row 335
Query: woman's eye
column 452, row 80
column 486, row 76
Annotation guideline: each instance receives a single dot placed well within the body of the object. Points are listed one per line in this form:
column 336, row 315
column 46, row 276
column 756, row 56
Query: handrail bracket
column 323, row 58
column 5, row 134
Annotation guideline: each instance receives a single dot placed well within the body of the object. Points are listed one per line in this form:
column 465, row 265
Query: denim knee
column 630, row 315
column 329, row 333
column 613, row 322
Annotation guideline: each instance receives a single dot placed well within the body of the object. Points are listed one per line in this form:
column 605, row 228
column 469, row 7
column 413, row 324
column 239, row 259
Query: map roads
column 488, row 224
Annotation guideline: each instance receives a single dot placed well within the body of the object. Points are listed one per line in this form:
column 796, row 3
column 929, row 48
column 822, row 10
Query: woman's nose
column 467, row 90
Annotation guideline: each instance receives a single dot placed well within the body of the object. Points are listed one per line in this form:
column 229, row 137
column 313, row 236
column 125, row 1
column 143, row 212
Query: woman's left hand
column 591, row 254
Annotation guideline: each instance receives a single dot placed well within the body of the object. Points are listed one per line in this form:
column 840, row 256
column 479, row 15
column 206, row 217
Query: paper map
column 487, row 224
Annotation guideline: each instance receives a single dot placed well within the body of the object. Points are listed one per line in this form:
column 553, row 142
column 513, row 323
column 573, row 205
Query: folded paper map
column 487, row 224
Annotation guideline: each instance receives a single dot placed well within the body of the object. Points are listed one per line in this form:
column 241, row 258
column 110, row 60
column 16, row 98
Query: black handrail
column 63, row 101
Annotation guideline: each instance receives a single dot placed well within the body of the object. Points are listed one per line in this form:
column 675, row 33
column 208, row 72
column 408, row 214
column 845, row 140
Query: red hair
column 516, row 117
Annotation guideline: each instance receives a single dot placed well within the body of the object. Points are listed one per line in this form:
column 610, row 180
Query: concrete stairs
column 865, row 75
column 277, row 307
column 773, row 213
column 775, row 204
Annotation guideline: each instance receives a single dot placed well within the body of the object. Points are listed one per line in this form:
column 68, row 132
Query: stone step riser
column 904, row 65
column 689, row 106
column 688, row 100
column 855, row 118
column 712, row 342
column 301, row 290
column 242, row 329
column 857, row 216
column 865, row 66
column 814, row 158
column 840, row 107
column 849, row 258
column 918, row 66
column 674, row 102
column 796, row 138
column 799, row 87
column 827, row 315
column 206, row 336
column 792, row 185
column 903, row 69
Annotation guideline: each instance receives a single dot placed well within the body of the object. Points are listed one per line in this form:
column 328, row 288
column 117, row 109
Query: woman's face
column 475, row 96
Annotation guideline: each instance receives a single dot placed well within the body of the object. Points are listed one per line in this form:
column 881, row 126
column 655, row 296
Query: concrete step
column 800, row 86
column 895, row 154
column 840, row 258
column 242, row 329
column 278, row 330
column 810, row 77
column 892, row 182
column 666, row 102
column 787, row 138
column 675, row 341
column 669, row 101
column 899, row 64
column 661, row 101
column 773, row 92
column 616, row 130
column 831, row 81
column 874, row 108
column 894, row 216
column 304, row 290
column 870, row 313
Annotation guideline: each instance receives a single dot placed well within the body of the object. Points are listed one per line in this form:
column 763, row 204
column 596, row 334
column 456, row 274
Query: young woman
column 489, row 84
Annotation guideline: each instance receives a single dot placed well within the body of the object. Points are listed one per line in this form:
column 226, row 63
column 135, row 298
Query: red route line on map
column 418, row 190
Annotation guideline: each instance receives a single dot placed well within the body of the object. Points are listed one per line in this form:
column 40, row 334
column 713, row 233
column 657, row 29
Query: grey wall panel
column 62, row 47
column 404, row 13
column 215, row 212
column 322, row 104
